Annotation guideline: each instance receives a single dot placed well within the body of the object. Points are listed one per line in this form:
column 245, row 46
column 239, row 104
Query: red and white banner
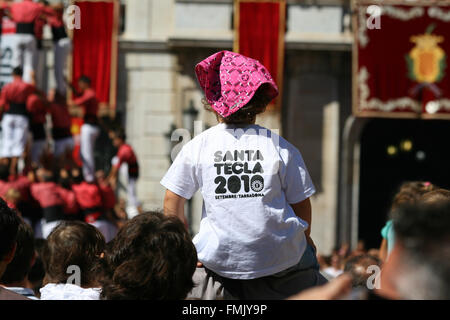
column 260, row 27
column 401, row 66
column 95, row 48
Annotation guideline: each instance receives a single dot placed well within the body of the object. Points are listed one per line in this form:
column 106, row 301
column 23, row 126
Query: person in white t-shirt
column 254, row 235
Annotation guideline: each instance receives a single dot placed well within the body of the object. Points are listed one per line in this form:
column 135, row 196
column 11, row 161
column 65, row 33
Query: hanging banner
column 400, row 59
column 260, row 27
column 95, row 48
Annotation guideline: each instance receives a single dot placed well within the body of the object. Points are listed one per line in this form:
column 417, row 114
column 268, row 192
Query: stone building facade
column 160, row 44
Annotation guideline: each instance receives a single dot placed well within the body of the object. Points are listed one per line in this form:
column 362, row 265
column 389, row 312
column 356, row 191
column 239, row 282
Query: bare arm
column 303, row 211
column 174, row 205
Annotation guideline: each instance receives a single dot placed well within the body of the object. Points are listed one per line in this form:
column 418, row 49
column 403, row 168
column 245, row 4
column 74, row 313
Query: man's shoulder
column 6, row 294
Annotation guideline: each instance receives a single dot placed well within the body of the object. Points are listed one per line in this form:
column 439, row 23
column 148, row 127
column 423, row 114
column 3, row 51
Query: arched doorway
column 393, row 151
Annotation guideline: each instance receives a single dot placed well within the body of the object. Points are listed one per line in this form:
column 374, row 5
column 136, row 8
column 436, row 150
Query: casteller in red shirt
column 15, row 94
column 89, row 199
column 88, row 101
column 54, row 200
column 26, row 11
column 125, row 154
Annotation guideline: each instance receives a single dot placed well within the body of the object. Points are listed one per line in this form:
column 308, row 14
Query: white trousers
column 62, row 145
column 25, row 55
column 61, row 50
column 88, row 136
column 14, row 135
column 132, row 199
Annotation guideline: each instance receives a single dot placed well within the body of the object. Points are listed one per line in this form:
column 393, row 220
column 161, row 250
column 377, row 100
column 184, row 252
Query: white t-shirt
column 247, row 177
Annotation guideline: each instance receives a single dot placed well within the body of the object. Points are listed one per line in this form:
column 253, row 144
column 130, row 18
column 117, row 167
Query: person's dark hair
column 357, row 267
column 120, row 133
column 85, row 79
column 17, row 270
column 423, row 232
column 151, row 258
column 247, row 113
column 37, row 272
column 9, row 227
column 438, row 195
column 73, row 243
column 17, row 71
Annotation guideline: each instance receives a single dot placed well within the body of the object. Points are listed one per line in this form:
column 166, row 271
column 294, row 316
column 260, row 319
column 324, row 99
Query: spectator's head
column 436, row 196
column 17, row 72
column 410, row 193
column 419, row 264
column 152, row 257
column 73, row 243
column 117, row 136
column 9, row 226
column 84, row 82
column 17, row 271
column 358, row 267
column 247, row 114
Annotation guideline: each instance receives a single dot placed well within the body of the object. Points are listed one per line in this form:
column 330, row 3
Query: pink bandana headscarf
column 230, row 80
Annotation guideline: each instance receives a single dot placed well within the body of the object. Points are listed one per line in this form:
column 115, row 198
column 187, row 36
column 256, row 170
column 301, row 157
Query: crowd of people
column 41, row 176
column 64, row 235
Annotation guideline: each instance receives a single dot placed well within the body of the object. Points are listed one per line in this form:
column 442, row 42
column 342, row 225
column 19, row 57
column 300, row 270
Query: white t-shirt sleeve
column 295, row 178
column 181, row 178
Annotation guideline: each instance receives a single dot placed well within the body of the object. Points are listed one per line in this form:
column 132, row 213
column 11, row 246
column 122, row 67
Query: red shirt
column 88, row 101
column 60, row 116
column 108, row 196
column 54, row 17
column 49, row 194
column 26, row 11
column 88, row 195
column 16, row 91
column 21, row 184
column 126, row 155
column 36, row 108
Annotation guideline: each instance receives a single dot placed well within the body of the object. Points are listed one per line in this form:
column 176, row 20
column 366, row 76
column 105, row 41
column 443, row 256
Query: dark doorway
column 394, row 151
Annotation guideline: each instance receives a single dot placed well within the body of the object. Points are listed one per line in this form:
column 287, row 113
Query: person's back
column 247, row 177
column 26, row 11
column 72, row 261
column 255, row 185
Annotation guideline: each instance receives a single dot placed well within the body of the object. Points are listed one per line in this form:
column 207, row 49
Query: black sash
column 17, row 108
column 38, row 131
column 133, row 170
column 25, row 28
column 53, row 213
column 91, row 119
column 58, row 33
column 61, row 133
column 92, row 210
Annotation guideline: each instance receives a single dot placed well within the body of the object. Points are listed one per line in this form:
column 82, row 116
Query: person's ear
column 10, row 255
